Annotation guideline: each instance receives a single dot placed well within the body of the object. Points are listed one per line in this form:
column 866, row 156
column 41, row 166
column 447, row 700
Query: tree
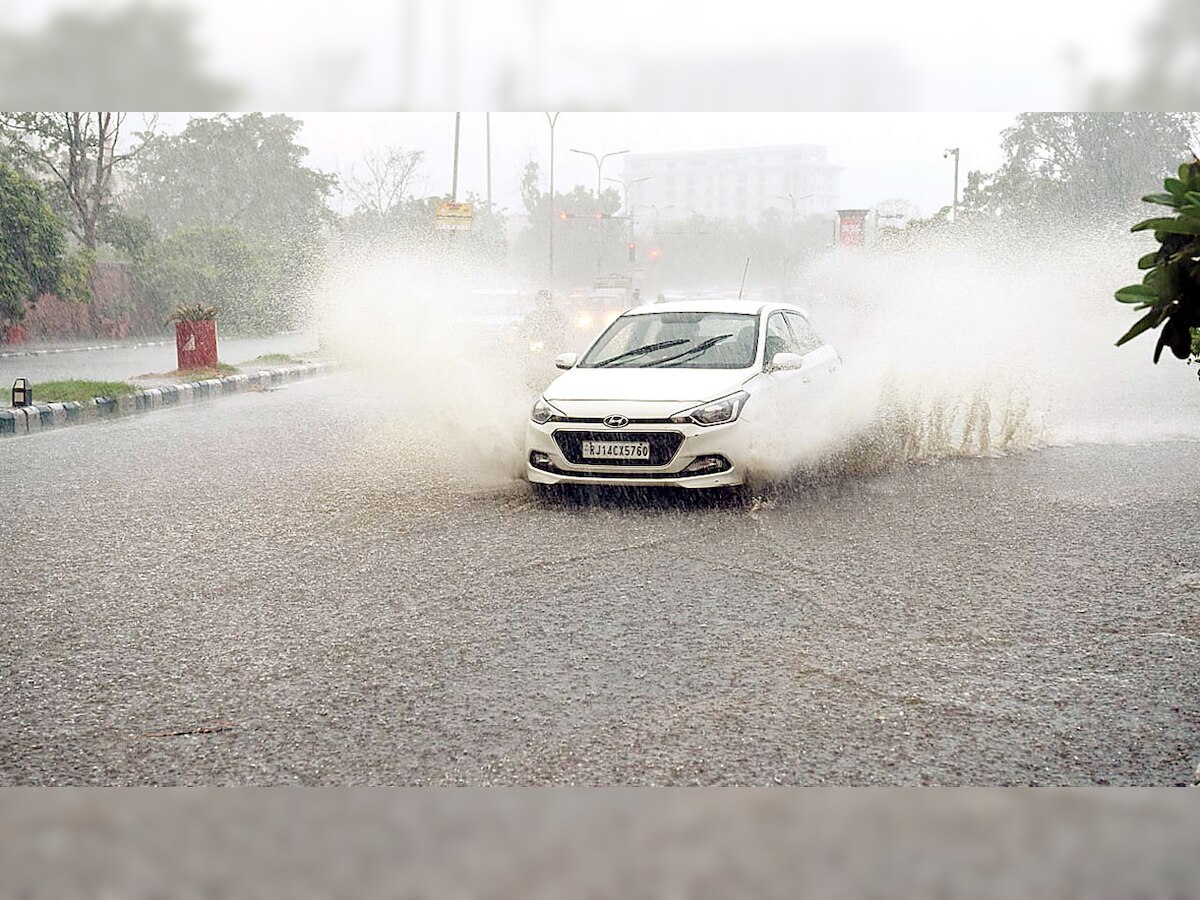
column 1170, row 289
column 246, row 172
column 78, row 152
column 386, row 183
column 230, row 191
column 1076, row 165
column 33, row 257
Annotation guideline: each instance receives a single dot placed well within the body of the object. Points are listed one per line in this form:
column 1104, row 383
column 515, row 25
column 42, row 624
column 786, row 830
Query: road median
column 43, row 416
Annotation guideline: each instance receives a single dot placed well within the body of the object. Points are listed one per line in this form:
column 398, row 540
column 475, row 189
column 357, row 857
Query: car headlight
column 717, row 412
column 543, row 412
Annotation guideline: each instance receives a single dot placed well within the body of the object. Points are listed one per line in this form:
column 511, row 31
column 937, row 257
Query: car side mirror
column 786, row 362
column 566, row 360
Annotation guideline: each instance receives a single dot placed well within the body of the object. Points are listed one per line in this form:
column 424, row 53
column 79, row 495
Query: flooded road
column 298, row 587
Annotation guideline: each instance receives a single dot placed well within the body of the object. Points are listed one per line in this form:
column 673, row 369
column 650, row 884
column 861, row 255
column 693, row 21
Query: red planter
column 196, row 344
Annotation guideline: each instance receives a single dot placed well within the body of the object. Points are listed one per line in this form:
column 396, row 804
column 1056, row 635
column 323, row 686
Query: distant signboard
column 851, row 225
column 453, row 217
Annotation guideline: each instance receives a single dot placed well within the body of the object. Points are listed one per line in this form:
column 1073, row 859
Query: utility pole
column 454, row 183
column 487, row 119
column 954, row 206
column 553, row 120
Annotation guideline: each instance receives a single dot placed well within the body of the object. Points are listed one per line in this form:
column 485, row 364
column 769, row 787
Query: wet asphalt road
column 290, row 587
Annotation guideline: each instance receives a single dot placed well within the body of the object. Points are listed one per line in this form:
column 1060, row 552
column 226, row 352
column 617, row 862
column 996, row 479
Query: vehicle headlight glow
column 583, row 320
column 543, row 412
column 716, row 412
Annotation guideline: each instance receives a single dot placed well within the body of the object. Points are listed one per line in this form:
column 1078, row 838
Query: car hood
column 645, row 391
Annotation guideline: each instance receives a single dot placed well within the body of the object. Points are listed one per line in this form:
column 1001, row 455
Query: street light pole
column 625, row 202
column 954, row 206
column 553, row 120
column 599, row 160
column 787, row 259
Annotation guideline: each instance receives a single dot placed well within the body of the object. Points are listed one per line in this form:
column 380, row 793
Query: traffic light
column 632, row 252
column 654, row 253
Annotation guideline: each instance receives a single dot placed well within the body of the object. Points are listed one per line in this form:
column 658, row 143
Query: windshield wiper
column 638, row 351
column 692, row 351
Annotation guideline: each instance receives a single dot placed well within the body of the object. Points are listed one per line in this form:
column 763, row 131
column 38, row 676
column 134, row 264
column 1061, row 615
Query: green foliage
column 33, row 258
column 246, row 172
column 75, row 154
column 1170, row 289
column 192, row 312
column 218, row 267
column 235, row 218
column 1076, row 165
column 126, row 232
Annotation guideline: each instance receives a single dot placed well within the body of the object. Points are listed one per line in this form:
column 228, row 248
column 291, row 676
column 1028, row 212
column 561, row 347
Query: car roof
column 753, row 307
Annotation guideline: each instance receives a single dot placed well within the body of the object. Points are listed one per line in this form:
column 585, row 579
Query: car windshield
column 685, row 340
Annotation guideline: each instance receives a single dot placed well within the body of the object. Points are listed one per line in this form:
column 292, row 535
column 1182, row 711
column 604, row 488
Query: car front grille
column 663, row 446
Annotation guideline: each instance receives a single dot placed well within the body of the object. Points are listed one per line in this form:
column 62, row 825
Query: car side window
column 779, row 338
column 806, row 336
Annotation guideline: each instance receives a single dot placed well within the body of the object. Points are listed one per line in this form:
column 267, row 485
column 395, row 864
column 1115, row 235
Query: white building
column 733, row 183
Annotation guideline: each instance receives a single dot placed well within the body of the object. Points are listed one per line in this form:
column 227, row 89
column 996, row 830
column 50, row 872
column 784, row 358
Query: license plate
column 616, row 449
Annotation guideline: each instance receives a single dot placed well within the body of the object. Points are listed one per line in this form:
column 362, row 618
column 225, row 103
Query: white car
column 686, row 393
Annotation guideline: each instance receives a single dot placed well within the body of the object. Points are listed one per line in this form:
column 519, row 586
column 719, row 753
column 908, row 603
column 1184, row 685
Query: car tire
column 543, row 492
column 739, row 494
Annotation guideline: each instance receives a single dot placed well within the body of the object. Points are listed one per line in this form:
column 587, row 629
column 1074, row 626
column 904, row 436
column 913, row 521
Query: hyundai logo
column 616, row 421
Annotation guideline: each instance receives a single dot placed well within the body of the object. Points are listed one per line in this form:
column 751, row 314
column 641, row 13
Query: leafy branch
column 1170, row 290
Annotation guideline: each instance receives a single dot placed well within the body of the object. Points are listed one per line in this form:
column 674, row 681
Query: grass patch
column 271, row 358
column 79, row 391
column 221, row 370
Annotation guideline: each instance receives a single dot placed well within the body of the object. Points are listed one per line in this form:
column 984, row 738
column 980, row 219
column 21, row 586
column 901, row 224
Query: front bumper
column 695, row 442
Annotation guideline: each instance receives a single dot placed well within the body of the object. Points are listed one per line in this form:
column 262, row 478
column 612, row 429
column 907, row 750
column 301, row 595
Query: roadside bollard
column 22, row 393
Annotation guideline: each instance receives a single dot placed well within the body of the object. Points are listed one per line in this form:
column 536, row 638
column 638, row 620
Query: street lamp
column 627, row 185
column 625, row 202
column 599, row 160
column 793, row 200
column 954, row 150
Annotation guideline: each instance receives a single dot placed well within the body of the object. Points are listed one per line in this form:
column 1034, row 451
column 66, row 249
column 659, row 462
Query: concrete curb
column 41, row 416
column 49, row 351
